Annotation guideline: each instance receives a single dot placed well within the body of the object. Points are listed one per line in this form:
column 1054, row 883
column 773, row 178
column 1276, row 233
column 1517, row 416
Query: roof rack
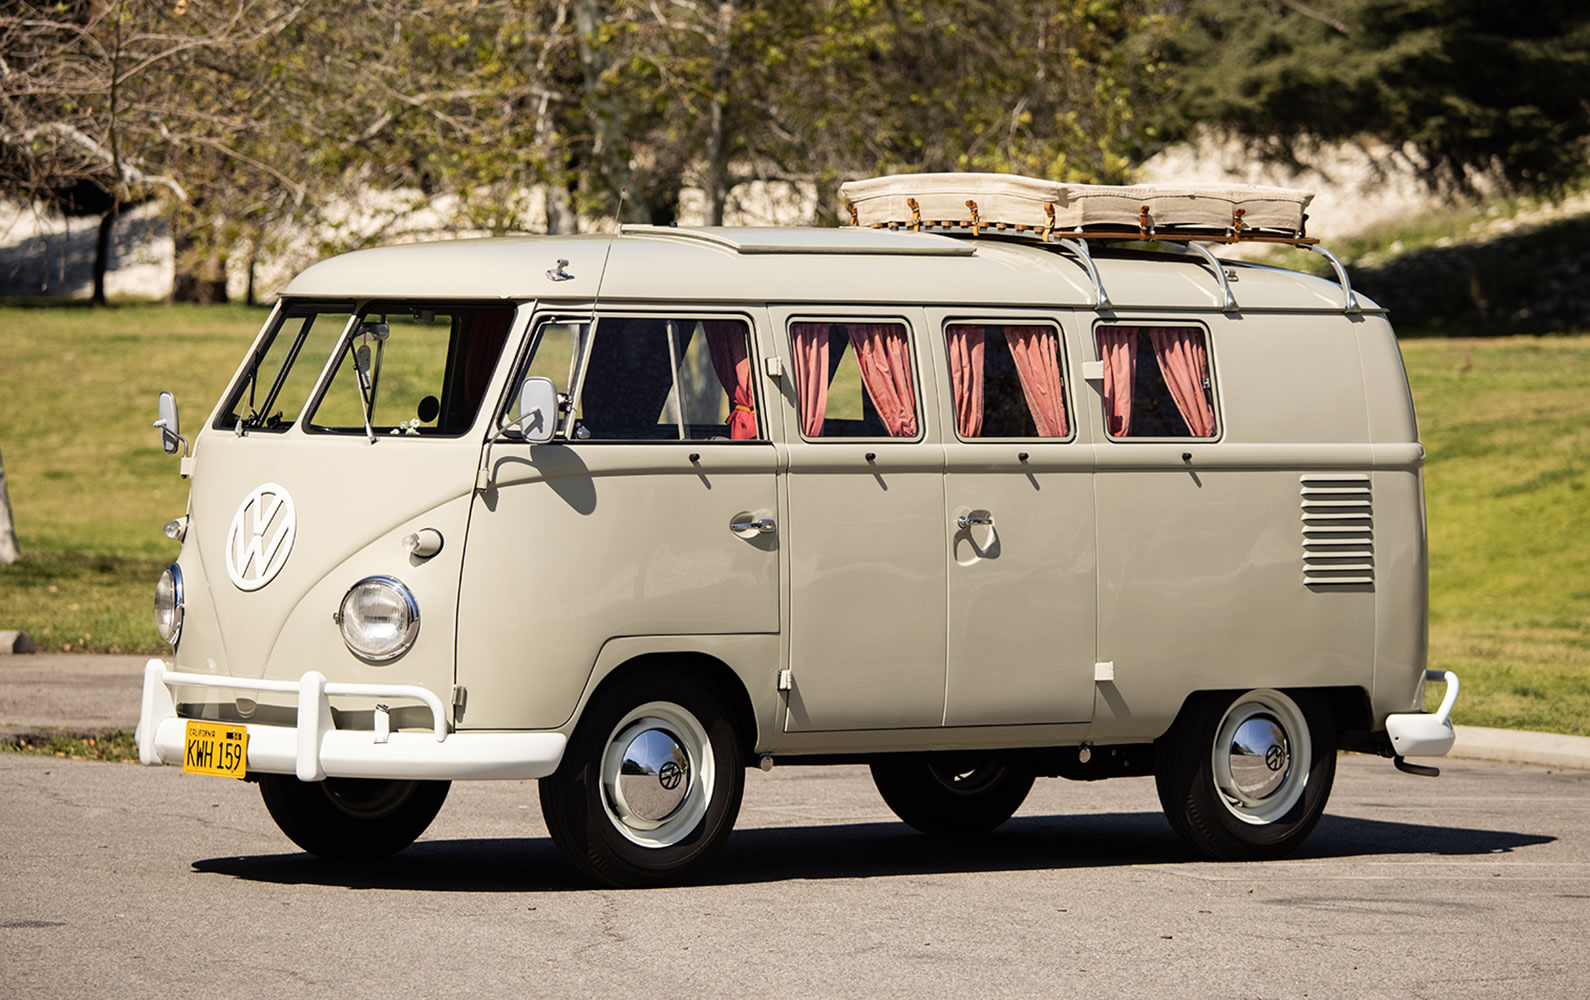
column 1071, row 216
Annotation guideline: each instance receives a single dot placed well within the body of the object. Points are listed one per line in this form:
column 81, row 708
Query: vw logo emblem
column 261, row 537
column 1274, row 758
column 670, row 775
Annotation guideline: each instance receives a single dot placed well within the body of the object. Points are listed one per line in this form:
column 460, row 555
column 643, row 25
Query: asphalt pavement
column 43, row 694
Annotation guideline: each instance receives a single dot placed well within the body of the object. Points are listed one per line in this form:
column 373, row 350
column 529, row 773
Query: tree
column 9, row 553
column 1471, row 89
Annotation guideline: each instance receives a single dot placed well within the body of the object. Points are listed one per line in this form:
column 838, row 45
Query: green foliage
column 1466, row 88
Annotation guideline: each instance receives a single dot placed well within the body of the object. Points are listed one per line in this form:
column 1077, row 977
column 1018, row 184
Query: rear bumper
column 314, row 748
column 1425, row 734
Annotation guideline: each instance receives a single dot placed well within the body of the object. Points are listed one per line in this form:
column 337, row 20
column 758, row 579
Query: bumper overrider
column 1425, row 734
column 314, row 749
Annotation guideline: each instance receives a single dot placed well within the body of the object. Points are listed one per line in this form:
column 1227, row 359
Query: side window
column 415, row 369
column 653, row 378
column 1006, row 381
column 854, row 379
column 1156, row 382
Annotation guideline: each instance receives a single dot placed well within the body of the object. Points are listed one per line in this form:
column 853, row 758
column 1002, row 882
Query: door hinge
column 786, row 679
column 460, row 699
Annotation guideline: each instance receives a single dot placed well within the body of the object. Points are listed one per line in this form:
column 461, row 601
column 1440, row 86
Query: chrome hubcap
column 1260, row 757
column 657, row 774
column 654, row 776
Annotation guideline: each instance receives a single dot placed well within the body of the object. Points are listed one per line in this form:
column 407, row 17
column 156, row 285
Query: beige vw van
column 1004, row 480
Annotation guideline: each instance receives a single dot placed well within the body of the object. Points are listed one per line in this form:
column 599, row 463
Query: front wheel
column 951, row 795
column 650, row 785
column 352, row 818
column 1245, row 777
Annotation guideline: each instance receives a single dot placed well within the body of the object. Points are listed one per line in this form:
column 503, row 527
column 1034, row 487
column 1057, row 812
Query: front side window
column 414, row 370
column 1156, row 382
column 854, row 379
column 1006, row 380
column 652, row 378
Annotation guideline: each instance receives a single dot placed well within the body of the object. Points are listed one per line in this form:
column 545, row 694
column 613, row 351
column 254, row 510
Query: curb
column 1516, row 746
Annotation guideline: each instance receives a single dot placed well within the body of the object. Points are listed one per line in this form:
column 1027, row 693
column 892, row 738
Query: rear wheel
column 349, row 818
column 650, row 785
column 1246, row 777
column 951, row 794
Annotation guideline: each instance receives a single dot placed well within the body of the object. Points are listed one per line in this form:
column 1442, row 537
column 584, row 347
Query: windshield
column 282, row 371
column 397, row 369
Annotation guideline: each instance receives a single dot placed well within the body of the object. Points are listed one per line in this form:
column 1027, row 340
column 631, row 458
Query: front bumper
column 315, row 749
column 1425, row 734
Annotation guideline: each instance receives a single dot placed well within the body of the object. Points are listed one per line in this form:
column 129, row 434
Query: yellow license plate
column 215, row 748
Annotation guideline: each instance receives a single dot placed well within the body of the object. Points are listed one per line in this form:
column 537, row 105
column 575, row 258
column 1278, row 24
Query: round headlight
column 379, row 619
column 168, row 604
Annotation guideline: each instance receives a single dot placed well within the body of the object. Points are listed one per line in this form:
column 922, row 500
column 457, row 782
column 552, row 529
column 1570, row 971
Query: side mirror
column 170, row 431
column 538, row 410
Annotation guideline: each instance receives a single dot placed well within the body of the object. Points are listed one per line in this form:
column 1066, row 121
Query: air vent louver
column 1338, row 531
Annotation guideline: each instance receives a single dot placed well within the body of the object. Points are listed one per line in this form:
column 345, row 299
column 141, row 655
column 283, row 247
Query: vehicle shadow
column 861, row 850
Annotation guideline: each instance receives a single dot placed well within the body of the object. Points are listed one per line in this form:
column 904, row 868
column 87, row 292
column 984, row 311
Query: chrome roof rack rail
column 1079, row 248
column 1351, row 307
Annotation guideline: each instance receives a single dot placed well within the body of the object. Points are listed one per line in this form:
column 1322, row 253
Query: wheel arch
column 1349, row 705
column 708, row 669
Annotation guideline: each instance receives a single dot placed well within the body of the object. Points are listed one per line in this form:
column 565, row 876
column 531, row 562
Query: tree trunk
column 9, row 553
column 605, row 112
column 200, row 271
column 107, row 230
column 714, row 186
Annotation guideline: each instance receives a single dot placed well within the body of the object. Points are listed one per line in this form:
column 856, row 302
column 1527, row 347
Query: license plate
column 215, row 748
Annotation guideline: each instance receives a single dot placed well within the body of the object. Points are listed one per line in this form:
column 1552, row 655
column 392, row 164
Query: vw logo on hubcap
column 261, row 537
column 670, row 775
column 1274, row 758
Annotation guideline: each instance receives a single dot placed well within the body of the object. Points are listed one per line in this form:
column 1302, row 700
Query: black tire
column 951, row 794
column 1244, row 777
column 352, row 818
column 663, row 817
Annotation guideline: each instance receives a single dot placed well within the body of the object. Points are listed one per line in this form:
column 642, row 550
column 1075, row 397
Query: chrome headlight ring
column 169, row 603
column 379, row 619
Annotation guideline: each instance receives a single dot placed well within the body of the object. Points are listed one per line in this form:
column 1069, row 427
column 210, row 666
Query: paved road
column 133, row 882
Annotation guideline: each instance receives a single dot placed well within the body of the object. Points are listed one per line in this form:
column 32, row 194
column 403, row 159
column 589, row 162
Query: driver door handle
column 967, row 520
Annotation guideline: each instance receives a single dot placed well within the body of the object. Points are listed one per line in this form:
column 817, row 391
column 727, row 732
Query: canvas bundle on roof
column 1003, row 203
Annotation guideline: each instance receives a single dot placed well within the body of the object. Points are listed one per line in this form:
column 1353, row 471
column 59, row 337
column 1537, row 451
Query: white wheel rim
column 642, row 822
column 1260, row 757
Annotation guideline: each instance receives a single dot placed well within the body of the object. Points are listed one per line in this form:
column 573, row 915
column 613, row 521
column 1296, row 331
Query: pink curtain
column 966, row 378
column 1185, row 364
column 1118, row 351
column 886, row 372
column 1036, row 351
column 810, row 344
column 726, row 343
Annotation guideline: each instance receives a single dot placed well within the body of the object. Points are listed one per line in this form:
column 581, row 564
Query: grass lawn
column 1506, row 423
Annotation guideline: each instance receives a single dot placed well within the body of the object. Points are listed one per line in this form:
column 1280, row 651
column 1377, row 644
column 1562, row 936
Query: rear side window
column 1006, row 380
column 1157, row 382
column 854, row 379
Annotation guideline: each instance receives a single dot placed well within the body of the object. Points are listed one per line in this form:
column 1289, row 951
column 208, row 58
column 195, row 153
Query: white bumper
column 314, row 749
column 1425, row 734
